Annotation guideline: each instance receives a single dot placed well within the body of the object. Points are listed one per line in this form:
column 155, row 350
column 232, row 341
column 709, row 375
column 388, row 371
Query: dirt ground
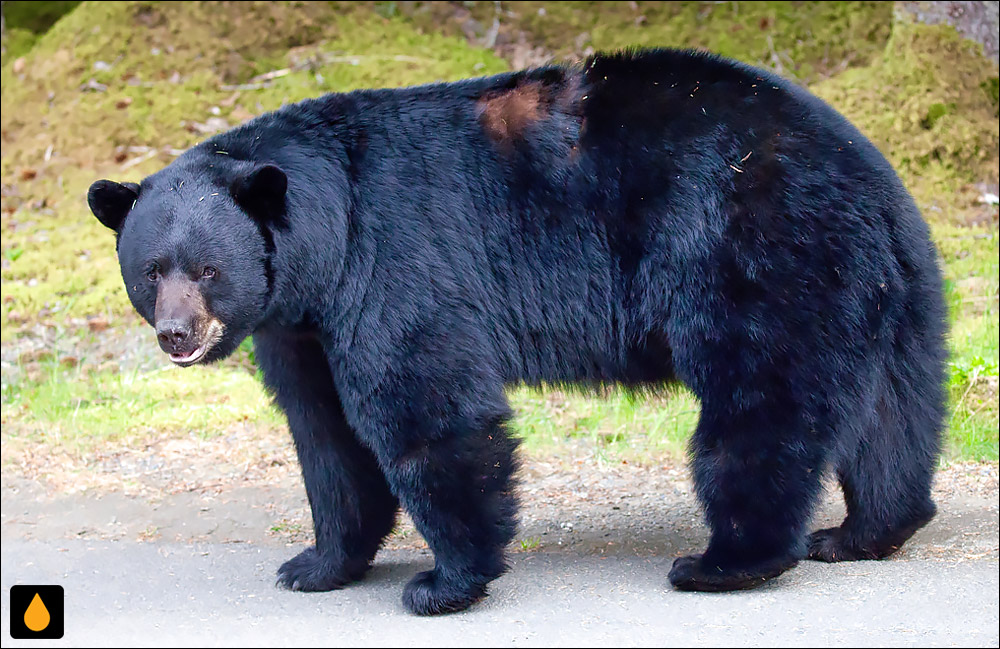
column 245, row 488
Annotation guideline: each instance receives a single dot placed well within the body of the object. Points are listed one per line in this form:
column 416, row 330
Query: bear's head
column 194, row 244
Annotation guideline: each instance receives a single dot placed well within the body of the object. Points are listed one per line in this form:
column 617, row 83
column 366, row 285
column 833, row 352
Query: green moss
column 921, row 102
column 35, row 16
column 992, row 89
column 380, row 53
column 802, row 40
column 24, row 22
column 934, row 113
column 17, row 42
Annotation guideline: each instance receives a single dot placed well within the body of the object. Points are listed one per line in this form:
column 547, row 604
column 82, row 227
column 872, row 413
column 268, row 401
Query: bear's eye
column 209, row 272
column 153, row 274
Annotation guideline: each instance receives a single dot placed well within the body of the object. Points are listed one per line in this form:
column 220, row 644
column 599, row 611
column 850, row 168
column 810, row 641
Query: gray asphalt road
column 127, row 593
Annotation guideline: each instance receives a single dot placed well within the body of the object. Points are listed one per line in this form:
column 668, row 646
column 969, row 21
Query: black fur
column 648, row 217
column 110, row 201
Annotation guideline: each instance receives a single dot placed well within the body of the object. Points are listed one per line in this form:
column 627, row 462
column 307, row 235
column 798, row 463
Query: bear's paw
column 692, row 573
column 313, row 572
column 429, row 593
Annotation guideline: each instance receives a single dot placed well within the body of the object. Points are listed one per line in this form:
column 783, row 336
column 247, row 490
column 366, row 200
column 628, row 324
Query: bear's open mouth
column 193, row 357
column 212, row 336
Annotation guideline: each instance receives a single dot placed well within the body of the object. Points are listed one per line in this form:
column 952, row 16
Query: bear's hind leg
column 757, row 473
column 887, row 486
column 352, row 506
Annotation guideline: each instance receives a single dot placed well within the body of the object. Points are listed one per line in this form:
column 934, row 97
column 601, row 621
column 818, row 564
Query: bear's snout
column 184, row 328
column 173, row 335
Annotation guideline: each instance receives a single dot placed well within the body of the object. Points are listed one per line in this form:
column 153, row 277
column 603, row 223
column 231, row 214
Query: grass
column 973, row 383
column 972, row 273
column 81, row 410
column 615, row 424
column 923, row 95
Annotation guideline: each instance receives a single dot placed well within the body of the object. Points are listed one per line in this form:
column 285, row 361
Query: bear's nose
column 172, row 334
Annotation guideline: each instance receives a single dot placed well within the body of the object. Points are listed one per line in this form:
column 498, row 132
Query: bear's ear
column 261, row 193
column 110, row 202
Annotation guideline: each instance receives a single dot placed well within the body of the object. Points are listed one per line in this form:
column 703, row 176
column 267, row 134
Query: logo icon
column 36, row 612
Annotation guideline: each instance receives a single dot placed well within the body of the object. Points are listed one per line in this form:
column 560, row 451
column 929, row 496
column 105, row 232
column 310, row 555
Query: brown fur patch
column 506, row 114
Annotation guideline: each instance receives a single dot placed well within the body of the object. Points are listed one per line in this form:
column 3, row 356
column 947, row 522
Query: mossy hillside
column 36, row 17
column 16, row 42
column 926, row 102
column 25, row 21
column 113, row 83
column 802, row 40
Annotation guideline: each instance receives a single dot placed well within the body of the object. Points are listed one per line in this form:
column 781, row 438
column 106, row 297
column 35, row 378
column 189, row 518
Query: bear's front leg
column 443, row 446
column 458, row 492
column 353, row 508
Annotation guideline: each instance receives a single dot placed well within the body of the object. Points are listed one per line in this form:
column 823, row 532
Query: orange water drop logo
column 37, row 616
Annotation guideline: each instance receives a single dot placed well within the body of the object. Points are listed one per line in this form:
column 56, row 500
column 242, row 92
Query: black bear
column 400, row 256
